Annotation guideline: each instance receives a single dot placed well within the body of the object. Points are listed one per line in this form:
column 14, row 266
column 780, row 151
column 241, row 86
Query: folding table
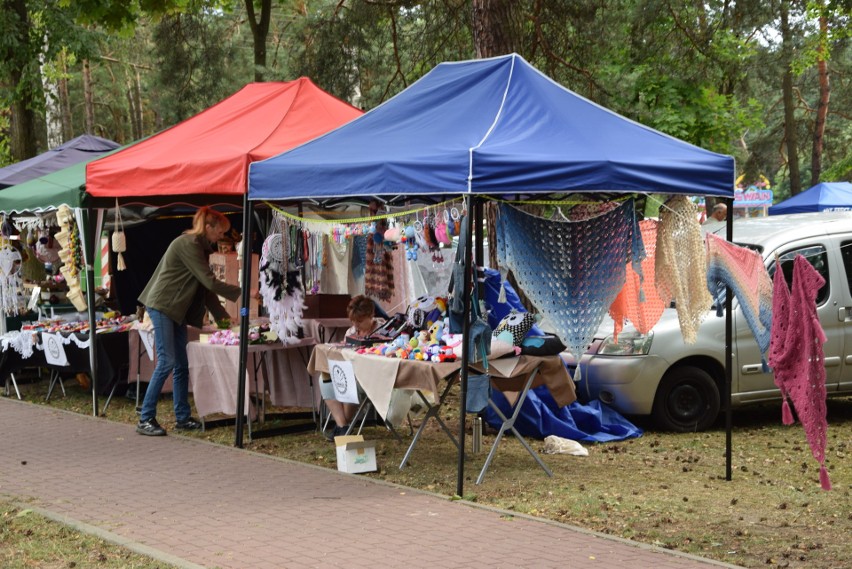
column 507, row 374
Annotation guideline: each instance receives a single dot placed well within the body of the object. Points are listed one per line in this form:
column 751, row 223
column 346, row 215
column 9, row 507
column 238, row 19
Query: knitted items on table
column 571, row 271
column 281, row 290
column 629, row 304
column 681, row 264
column 743, row 271
column 796, row 354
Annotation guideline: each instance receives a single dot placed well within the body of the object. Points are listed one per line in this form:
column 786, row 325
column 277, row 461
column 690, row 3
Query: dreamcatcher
column 281, row 287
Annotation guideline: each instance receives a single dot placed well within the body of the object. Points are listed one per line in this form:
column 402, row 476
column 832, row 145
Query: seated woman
column 361, row 311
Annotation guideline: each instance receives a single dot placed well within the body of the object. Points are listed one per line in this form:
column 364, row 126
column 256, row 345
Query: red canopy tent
column 210, row 152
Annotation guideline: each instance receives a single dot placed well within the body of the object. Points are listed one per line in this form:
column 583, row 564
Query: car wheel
column 687, row 400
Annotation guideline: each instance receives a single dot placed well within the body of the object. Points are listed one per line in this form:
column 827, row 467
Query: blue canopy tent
column 489, row 126
column 84, row 148
column 825, row 196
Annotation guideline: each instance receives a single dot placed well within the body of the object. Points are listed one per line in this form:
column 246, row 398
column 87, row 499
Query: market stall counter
column 26, row 349
column 379, row 375
column 275, row 370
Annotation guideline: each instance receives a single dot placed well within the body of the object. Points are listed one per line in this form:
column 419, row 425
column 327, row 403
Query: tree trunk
column 87, row 95
column 822, row 106
column 259, row 32
column 65, row 103
column 495, row 32
column 790, row 137
column 23, row 142
column 495, row 27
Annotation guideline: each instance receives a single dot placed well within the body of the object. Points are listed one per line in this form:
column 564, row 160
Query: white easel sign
column 34, row 298
column 147, row 337
column 343, row 379
column 54, row 350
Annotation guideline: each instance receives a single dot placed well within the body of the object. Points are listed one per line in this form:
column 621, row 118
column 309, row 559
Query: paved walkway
column 196, row 504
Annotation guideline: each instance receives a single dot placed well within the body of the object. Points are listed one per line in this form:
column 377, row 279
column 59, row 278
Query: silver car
column 681, row 385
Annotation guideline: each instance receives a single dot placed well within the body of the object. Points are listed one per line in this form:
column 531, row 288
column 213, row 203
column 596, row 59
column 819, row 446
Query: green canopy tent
column 48, row 192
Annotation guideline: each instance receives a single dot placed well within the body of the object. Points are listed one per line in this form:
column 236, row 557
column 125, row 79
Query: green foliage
column 196, row 64
column 5, row 151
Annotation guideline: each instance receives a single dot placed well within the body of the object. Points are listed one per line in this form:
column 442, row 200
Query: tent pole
column 465, row 360
column 248, row 217
column 89, row 251
column 729, row 324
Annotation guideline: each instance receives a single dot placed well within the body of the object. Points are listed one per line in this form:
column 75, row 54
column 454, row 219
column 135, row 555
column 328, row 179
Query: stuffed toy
column 436, row 331
column 410, row 242
column 518, row 324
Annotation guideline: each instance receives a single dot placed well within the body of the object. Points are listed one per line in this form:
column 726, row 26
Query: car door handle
column 752, row 369
column 843, row 313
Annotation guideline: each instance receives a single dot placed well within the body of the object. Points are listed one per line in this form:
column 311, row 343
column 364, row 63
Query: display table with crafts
column 275, row 370
column 379, row 375
column 63, row 347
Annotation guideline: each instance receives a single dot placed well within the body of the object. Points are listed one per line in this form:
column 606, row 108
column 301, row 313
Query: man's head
column 720, row 212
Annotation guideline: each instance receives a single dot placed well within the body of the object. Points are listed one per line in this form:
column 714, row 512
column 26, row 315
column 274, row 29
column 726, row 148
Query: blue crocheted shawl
column 571, row 270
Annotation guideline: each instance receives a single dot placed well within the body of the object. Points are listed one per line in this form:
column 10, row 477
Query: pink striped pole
column 105, row 277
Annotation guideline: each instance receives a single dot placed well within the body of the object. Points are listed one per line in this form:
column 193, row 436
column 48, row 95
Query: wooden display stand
column 227, row 268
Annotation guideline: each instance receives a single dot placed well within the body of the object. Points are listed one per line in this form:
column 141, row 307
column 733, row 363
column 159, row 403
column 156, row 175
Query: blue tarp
column 540, row 417
column 825, row 196
column 490, row 126
column 80, row 149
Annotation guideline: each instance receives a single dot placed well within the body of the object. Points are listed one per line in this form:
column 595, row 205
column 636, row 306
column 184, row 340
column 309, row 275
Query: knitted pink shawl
column 796, row 354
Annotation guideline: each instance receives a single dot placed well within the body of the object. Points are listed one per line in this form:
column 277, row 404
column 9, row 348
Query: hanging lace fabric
column 796, row 355
column 571, row 271
column 10, row 278
column 280, row 285
column 681, row 264
column 629, row 304
column 743, row 271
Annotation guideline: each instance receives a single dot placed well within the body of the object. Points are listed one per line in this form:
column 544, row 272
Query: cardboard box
column 355, row 455
column 326, row 305
column 227, row 268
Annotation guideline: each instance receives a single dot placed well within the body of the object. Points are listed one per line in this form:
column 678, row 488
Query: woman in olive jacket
column 182, row 288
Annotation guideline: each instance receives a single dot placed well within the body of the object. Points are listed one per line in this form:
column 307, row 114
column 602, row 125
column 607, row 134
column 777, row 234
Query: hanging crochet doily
column 281, row 290
column 10, row 279
column 743, row 271
column 681, row 264
column 637, row 302
column 571, row 271
column 796, row 354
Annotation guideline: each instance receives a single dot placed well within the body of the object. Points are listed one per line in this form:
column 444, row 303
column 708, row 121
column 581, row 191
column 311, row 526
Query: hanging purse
column 119, row 241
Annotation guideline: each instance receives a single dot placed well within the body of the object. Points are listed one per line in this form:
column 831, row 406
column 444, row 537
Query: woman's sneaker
column 151, row 428
column 188, row 425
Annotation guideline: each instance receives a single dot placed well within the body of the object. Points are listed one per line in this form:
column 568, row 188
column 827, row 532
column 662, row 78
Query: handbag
column 478, row 392
column 119, row 240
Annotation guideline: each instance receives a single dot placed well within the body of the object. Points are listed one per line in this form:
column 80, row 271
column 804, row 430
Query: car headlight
column 628, row 344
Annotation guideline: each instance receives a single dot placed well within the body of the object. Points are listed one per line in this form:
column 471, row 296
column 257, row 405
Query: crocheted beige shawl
column 681, row 268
